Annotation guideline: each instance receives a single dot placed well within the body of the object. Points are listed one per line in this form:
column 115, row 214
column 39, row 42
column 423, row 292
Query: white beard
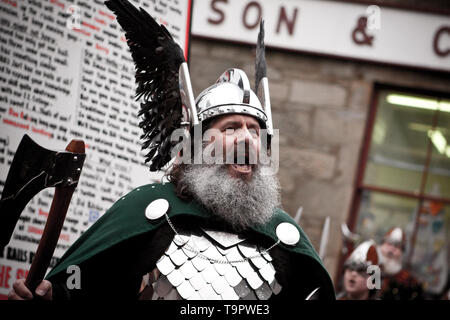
column 240, row 203
column 391, row 266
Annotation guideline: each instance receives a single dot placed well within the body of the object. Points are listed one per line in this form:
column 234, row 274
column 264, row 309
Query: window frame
column 359, row 187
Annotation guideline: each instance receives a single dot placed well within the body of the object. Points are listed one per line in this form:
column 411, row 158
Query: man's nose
column 247, row 147
column 244, row 135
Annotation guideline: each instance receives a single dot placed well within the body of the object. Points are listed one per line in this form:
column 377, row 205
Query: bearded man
column 397, row 282
column 215, row 230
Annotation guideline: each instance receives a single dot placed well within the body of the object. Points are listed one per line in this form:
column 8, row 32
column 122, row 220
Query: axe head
column 33, row 169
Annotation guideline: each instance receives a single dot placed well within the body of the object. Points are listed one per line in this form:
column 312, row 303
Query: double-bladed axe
column 32, row 170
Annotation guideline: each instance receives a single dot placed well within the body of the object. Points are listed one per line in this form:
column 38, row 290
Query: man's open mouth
column 242, row 168
column 242, row 165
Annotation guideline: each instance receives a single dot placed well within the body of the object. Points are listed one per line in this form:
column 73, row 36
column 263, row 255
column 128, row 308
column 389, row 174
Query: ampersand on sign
column 359, row 34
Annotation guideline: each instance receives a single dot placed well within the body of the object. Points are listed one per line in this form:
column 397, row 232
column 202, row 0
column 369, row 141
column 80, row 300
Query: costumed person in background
column 214, row 231
column 397, row 282
column 357, row 273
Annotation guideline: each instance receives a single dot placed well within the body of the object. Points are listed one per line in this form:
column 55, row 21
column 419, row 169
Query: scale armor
column 213, row 265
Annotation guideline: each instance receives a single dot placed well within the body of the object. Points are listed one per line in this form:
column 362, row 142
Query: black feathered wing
column 157, row 60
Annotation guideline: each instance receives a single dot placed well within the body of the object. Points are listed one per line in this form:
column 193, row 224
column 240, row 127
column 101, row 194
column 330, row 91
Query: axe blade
column 29, row 161
column 25, row 179
column 33, row 169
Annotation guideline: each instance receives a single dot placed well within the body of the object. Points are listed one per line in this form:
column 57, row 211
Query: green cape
column 126, row 219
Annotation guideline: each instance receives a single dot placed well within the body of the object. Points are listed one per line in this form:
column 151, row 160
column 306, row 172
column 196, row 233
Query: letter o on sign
column 245, row 16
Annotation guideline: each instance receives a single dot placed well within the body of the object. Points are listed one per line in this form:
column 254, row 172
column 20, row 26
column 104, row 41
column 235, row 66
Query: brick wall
column 320, row 106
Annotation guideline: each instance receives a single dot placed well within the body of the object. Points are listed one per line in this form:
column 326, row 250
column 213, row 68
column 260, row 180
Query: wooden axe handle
column 53, row 226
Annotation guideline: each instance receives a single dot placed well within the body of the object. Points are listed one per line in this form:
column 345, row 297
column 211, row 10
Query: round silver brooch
column 156, row 209
column 288, row 233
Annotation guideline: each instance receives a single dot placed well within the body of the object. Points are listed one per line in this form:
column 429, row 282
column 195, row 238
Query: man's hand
column 21, row 292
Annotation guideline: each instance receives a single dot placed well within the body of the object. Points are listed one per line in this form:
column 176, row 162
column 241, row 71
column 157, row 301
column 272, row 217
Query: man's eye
column 229, row 130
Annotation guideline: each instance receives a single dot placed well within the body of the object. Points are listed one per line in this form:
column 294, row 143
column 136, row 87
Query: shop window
column 404, row 179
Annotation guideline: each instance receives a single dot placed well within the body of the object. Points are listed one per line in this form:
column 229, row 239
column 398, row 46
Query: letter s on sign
column 221, row 14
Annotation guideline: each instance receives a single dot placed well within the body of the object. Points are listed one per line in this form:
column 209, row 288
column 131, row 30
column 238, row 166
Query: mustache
column 239, row 153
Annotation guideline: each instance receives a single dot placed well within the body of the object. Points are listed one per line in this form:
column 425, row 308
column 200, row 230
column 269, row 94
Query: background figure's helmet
column 395, row 236
column 231, row 94
column 364, row 255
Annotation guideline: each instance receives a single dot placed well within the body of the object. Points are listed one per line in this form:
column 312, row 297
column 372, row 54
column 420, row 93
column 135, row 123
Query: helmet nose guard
column 231, row 94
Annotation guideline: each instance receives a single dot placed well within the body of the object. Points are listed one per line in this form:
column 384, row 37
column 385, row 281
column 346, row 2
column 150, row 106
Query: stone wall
column 320, row 106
